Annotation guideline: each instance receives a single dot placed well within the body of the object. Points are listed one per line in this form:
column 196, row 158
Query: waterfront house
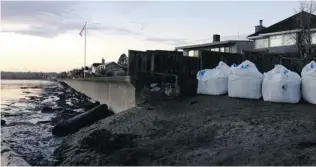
column 281, row 37
column 107, row 67
column 229, row 46
column 94, row 67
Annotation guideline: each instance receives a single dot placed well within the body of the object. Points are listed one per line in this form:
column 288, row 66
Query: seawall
column 117, row 92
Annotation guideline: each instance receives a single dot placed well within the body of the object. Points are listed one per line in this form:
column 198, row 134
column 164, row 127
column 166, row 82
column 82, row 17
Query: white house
column 282, row 36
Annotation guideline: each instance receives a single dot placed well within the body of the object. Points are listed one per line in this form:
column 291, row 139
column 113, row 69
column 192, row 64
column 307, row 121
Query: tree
column 122, row 60
column 303, row 32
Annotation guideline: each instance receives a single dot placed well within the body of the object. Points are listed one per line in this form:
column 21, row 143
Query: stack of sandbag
column 213, row 81
column 281, row 85
column 245, row 81
column 309, row 82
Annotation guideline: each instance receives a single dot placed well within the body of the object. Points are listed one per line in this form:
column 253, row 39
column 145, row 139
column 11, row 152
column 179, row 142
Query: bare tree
column 303, row 30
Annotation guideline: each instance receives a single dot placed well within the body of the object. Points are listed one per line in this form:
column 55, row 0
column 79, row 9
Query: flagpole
column 85, row 49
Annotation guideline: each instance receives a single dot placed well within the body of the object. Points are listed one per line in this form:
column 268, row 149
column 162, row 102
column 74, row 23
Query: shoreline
column 201, row 130
column 34, row 141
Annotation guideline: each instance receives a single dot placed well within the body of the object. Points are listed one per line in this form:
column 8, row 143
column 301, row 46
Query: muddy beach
column 28, row 121
column 202, row 130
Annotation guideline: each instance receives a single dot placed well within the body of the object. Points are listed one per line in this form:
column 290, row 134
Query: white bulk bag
column 309, row 82
column 213, row 81
column 245, row 81
column 281, row 85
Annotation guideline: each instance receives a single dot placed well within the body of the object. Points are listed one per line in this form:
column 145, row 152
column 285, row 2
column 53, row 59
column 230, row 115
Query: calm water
column 11, row 90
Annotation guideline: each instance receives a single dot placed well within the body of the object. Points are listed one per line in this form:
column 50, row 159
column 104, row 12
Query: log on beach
column 87, row 118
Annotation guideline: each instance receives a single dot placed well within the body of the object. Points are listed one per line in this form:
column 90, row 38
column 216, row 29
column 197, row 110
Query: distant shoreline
column 24, row 79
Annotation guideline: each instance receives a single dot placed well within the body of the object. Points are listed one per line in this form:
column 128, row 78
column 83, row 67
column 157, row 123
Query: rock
column 26, row 92
column 11, row 158
column 87, row 118
column 46, row 109
column 2, row 122
column 43, row 122
column 32, row 97
column 193, row 102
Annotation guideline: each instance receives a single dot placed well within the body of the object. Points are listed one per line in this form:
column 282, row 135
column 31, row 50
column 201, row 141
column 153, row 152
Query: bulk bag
column 213, row 81
column 245, row 81
column 309, row 82
column 281, row 85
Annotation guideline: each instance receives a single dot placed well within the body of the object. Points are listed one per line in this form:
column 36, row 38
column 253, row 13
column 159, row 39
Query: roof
column 287, row 24
column 96, row 64
column 211, row 44
column 105, row 64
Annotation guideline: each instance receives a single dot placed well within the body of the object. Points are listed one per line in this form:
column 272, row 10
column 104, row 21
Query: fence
column 295, row 64
column 263, row 60
column 167, row 62
column 172, row 62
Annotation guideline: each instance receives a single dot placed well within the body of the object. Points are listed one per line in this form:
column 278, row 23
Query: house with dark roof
column 229, row 46
column 281, row 37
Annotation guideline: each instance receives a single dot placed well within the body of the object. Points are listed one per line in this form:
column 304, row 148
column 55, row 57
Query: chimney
column 259, row 27
column 216, row 38
column 103, row 61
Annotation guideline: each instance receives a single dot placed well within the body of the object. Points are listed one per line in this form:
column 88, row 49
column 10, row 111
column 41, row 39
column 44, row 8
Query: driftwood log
column 87, row 118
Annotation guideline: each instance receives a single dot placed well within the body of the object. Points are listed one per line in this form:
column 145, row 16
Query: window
column 289, row 39
column 276, row 40
column 314, row 38
column 191, row 53
column 261, row 43
column 216, row 49
column 226, row 49
column 222, row 49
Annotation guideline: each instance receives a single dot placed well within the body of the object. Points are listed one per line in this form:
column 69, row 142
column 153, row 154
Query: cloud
column 172, row 41
column 49, row 19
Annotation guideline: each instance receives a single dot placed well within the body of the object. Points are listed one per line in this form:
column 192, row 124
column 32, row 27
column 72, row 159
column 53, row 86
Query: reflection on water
column 11, row 92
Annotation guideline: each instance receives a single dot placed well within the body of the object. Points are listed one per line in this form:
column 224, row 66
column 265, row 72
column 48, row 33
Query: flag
column 83, row 29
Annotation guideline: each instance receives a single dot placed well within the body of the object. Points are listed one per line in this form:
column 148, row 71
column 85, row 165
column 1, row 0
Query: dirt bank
column 204, row 130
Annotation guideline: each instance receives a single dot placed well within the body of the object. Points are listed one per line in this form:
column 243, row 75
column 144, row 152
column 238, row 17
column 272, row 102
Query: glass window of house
column 226, row 49
column 289, row 39
column 314, row 38
column 216, row 49
column 213, row 49
column 261, row 43
column 191, row 53
column 222, row 50
column 276, row 40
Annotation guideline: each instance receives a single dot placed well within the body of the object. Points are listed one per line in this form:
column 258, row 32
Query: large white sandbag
column 281, row 85
column 309, row 82
column 245, row 81
column 213, row 81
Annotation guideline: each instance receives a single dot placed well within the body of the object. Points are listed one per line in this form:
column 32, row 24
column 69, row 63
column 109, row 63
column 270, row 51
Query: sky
column 43, row 36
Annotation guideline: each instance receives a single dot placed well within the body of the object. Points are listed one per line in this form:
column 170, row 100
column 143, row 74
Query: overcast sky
column 44, row 36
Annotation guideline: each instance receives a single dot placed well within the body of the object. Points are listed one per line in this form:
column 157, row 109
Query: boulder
column 46, row 109
column 87, row 118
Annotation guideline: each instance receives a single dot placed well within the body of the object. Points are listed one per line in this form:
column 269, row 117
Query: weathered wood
column 87, row 118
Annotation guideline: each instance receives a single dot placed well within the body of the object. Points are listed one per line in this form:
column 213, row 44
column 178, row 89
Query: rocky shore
column 203, row 130
column 27, row 123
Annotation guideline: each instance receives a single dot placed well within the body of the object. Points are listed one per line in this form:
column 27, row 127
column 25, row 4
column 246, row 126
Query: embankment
column 117, row 92
column 203, row 130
